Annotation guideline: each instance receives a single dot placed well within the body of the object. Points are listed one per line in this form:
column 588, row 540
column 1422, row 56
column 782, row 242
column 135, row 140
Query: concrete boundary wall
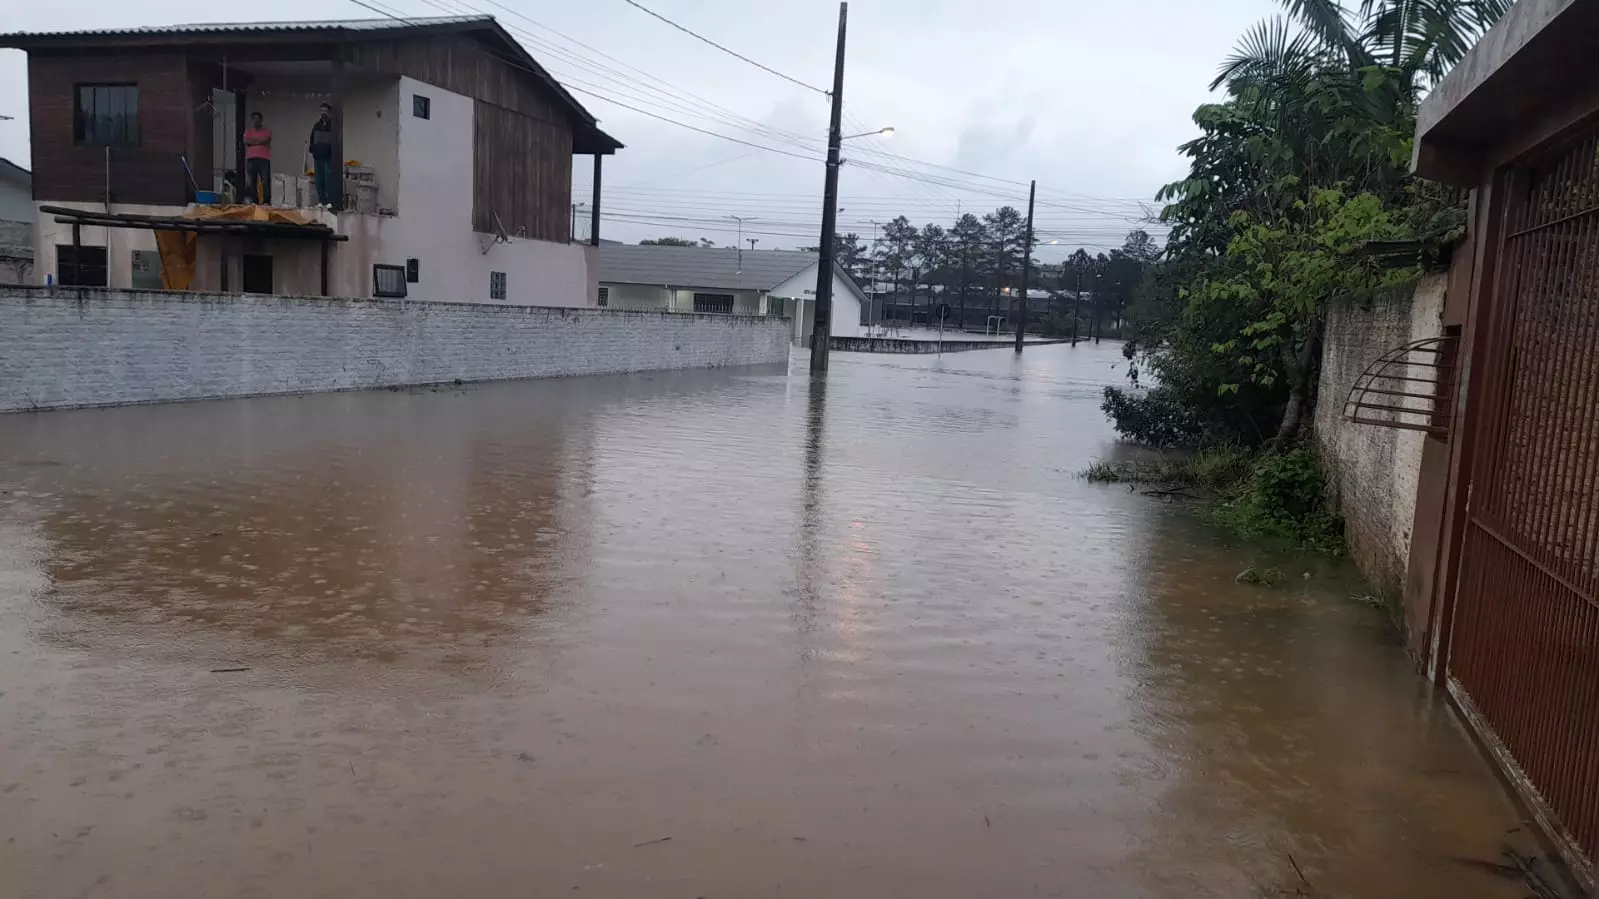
column 70, row 347
column 902, row 345
column 1373, row 471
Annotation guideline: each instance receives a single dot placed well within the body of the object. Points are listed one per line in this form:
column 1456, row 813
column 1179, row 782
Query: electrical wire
column 886, row 163
column 734, row 53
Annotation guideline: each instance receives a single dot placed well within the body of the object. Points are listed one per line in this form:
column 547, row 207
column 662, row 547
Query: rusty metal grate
column 1410, row 387
column 1525, row 645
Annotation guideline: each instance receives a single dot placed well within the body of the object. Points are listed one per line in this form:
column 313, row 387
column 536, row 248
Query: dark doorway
column 80, row 266
column 257, row 273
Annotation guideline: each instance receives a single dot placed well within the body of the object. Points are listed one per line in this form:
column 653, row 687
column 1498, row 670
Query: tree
column 675, row 242
column 897, row 250
column 968, row 242
column 932, row 252
column 850, row 253
column 1005, row 229
column 1306, row 158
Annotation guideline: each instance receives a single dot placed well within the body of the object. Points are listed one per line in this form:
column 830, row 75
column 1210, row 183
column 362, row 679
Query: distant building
column 452, row 150
column 726, row 280
column 16, row 223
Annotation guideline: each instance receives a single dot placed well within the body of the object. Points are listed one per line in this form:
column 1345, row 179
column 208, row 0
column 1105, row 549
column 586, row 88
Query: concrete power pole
column 1027, row 270
column 822, row 329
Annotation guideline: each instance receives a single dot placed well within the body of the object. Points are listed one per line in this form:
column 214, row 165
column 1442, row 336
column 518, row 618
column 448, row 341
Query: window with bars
column 605, row 296
column 714, row 302
column 106, row 115
column 388, row 281
column 496, row 285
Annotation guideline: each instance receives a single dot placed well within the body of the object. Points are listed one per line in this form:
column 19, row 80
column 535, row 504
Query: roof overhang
column 1532, row 67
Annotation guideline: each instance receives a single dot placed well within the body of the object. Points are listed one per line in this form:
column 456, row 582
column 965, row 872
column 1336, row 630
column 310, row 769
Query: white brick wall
column 69, row 348
column 1373, row 470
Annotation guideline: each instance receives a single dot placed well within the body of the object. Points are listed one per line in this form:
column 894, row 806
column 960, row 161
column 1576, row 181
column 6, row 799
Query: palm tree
column 1418, row 40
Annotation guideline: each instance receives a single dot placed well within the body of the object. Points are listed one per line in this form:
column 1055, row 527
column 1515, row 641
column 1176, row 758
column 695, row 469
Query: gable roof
column 483, row 28
column 715, row 268
column 11, row 170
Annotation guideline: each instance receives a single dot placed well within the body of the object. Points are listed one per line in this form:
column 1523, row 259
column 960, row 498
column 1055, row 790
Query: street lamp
column 881, row 132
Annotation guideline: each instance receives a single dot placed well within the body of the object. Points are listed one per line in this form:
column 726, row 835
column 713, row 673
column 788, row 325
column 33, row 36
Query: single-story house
column 726, row 280
column 16, row 223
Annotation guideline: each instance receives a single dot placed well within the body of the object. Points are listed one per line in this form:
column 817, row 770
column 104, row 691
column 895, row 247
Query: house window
column 413, row 271
column 106, row 115
column 776, row 306
column 256, row 273
column 713, row 302
column 421, row 107
column 80, row 266
column 605, row 296
column 388, row 280
column 496, row 285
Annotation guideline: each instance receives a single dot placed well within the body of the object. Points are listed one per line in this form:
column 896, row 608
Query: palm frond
column 1332, row 26
column 1268, row 54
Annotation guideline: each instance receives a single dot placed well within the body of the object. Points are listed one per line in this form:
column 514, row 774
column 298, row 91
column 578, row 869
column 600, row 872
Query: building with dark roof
column 16, row 223
column 450, row 159
column 726, row 280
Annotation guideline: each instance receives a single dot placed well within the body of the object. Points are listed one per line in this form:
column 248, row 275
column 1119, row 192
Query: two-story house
column 453, row 149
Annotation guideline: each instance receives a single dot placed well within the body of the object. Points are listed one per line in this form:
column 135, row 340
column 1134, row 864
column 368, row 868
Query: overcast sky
column 1089, row 98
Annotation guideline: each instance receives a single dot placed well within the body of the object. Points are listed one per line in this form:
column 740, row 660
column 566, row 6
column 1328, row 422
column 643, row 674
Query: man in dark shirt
column 322, row 162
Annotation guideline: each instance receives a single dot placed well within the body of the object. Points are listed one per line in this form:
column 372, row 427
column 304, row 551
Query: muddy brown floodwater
column 715, row 634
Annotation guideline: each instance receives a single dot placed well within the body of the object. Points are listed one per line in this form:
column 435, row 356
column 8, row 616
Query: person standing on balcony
column 327, row 190
column 258, row 161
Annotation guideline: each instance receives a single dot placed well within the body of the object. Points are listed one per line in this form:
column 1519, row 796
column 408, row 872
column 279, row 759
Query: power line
column 724, row 116
column 692, row 127
column 734, row 53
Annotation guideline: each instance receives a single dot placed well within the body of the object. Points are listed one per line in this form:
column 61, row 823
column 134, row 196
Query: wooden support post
column 336, row 104
column 239, row 112
column 594, row 213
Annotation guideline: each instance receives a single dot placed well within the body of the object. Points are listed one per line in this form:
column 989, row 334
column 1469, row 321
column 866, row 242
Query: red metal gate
column 1525, row 648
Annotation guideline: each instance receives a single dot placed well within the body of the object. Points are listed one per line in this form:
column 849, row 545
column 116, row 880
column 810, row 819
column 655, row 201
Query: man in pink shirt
column 257, row 161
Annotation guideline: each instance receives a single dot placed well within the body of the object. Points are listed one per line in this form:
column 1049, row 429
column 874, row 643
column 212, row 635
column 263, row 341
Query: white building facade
column 724, row 280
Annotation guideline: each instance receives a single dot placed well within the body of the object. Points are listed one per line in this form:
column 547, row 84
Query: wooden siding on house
column 521, row 136
column 464, row 66
column 152, row 172
column 521, row 175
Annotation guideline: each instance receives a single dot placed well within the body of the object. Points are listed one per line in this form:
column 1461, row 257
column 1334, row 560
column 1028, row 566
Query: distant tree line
column 975, row 265
column 676, row 242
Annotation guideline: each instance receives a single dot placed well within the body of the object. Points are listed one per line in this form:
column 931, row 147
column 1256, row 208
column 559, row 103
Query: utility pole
column 822, row 328
column 1027, row 271
column 1077, row 304
column 1094, row 325
column 877, row 278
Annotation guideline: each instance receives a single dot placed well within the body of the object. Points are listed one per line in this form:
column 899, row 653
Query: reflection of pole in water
column 810, row 555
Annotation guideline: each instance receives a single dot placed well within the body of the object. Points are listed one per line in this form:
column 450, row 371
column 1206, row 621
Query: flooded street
column 707, row 634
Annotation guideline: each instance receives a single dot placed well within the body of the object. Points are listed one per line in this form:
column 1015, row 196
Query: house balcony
column 289, row 94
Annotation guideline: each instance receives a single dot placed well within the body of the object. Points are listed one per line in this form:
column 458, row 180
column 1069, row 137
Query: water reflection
column 866, row 635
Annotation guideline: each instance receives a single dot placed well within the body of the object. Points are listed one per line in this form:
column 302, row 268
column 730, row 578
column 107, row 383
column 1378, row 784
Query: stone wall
column 67, row 347
column 1373, row 471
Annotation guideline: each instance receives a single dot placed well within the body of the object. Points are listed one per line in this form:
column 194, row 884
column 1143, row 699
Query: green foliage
column 1287, row 269
column 1218, row 468
column 1154, row 418
column 1304, row 164
column 1285, row 498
